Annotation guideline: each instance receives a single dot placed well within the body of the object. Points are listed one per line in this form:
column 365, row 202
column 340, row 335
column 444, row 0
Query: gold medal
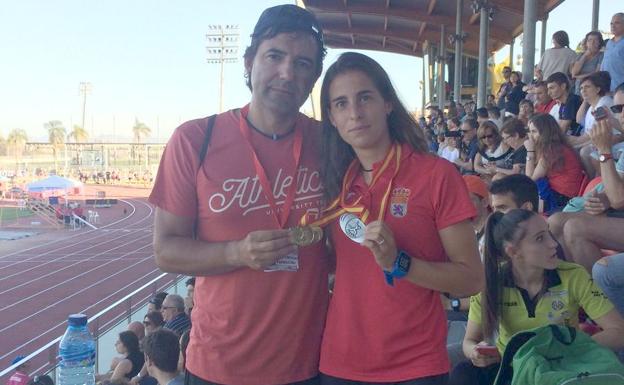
column 306, row 235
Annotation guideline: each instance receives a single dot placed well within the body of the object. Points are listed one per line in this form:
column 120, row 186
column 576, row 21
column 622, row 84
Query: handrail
column 91, row 319
column 76, row 217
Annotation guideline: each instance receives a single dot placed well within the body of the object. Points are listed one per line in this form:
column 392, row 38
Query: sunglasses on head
column 617, row 109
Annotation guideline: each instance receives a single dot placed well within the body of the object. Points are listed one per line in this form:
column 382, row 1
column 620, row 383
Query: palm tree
column 16, row 141
column 140, row 131
column 78, row 134
column 56, row 136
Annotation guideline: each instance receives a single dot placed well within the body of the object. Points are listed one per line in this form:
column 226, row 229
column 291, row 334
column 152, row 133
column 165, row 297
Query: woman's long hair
column 499, row 229
column 336, row 153
column 549, row 145
column 130, row 341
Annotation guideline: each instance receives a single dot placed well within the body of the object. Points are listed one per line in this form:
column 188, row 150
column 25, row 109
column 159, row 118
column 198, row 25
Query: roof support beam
column 431, row 6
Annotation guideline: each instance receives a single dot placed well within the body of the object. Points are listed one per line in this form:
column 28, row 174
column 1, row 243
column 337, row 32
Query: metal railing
column 101, row 325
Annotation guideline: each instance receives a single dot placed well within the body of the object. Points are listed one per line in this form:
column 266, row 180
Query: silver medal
column 353, row 227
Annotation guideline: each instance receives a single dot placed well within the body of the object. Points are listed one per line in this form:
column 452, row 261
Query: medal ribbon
column 262, row 176
column 339, row 206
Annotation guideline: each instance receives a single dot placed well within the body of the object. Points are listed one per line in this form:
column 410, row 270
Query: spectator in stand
column 552, row 163
column 515, row 95
column 470, row 146
column 590, row 60
column 173, row 313
column 513, row 135
column 569, row 103
column 492, row 150
column 453, row 124
column 155, row 304
column 516, row 191
column 127, row 345
column 559, row 58
column 188, row 300
column 491, row 100
column 152, row 321
column 527, row 286
column 450, row 152
column 504, row 89
column 526, row 111
column 20, row 376
column 543, row 102
column 584, row 234
column 482, row 115
column 480, row 198
column 594, row 91
column 494, row 114
column 138, row 329
column 162, row 353
column 184, row 341
column 614, row 53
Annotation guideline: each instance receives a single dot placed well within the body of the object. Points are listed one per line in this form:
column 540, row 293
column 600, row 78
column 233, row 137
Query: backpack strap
column 202, row 155
column 505, row 370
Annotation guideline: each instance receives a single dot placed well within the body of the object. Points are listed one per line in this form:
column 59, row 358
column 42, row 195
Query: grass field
column 10, row 213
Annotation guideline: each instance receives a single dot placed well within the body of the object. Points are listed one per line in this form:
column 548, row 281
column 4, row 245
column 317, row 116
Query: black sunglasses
column 488, row 136
column 617, row 109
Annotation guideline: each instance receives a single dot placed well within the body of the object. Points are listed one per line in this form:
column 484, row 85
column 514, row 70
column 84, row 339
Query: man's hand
column 602, row 135
column 596, row 203
column 260, row 249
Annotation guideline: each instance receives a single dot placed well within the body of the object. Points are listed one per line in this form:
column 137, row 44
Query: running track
column 81, row 273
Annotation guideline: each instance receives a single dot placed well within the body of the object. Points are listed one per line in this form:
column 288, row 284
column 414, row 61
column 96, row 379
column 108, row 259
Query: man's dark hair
column 495, row 111
column 190, row 282
column 285, row 18
column 482, row 112
column 155, row 318
column 162, row 347
column 559, row 78
column 472, row 123
column 522, row 189
column 619, row 88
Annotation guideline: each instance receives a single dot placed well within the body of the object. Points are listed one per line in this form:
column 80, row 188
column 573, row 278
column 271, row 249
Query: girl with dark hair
column 590, row 60
column 559, row 58
column 515, row 95
column 131, row 363
column 513, row 133
column 552, row 163
column 527, row 286
column 404, row 235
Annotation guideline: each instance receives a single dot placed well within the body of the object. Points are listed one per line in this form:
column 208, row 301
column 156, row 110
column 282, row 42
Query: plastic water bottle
column 77, row 354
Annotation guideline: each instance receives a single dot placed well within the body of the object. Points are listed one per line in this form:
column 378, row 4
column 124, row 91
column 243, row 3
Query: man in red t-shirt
column 20, row 377
column 260, row 302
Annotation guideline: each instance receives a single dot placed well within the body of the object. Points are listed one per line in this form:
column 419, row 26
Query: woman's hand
column 378, row 238
column 529, row 144
column 602, row 136
column 482, row 360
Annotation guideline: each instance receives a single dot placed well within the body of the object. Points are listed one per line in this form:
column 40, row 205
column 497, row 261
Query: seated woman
column 152, row 321
column 492, row 150
column 513, row 133
column 552, row 163
column 128, row 346
column 527, row 286
column 407, row 237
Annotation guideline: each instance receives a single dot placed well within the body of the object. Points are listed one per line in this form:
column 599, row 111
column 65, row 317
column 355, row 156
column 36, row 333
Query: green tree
column 16, row 142
column 56, row 136
column 78, row 134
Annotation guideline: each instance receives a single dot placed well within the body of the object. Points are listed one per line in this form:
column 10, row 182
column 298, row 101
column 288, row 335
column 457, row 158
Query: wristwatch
column 400, row 268
column 605, row 157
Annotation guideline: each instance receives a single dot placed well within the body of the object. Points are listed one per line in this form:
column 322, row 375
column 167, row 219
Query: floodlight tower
column 222, row 47
column 84, row 89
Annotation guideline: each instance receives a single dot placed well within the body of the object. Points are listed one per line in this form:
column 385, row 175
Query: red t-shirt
column 249, row 327
column 18, row 378
column 568, row 177
column 545, row 108
column 378, row 333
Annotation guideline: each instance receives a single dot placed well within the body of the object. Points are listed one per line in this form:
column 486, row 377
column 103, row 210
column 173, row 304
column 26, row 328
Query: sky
column 146, row 60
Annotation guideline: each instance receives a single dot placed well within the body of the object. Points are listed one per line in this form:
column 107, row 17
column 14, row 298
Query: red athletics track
column 45, row 279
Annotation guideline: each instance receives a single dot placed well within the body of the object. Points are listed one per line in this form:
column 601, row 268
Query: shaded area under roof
column 403, row 26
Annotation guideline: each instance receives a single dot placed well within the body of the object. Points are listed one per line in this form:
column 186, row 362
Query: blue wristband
column 400, row 269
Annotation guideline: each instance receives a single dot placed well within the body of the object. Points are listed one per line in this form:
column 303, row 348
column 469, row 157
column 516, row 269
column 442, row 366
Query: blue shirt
column 614, row 62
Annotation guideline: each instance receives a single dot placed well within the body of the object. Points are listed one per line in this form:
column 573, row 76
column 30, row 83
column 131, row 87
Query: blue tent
column 53, row 182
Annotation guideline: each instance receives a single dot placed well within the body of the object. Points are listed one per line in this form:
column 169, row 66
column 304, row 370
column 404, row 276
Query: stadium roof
column 403, row 26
